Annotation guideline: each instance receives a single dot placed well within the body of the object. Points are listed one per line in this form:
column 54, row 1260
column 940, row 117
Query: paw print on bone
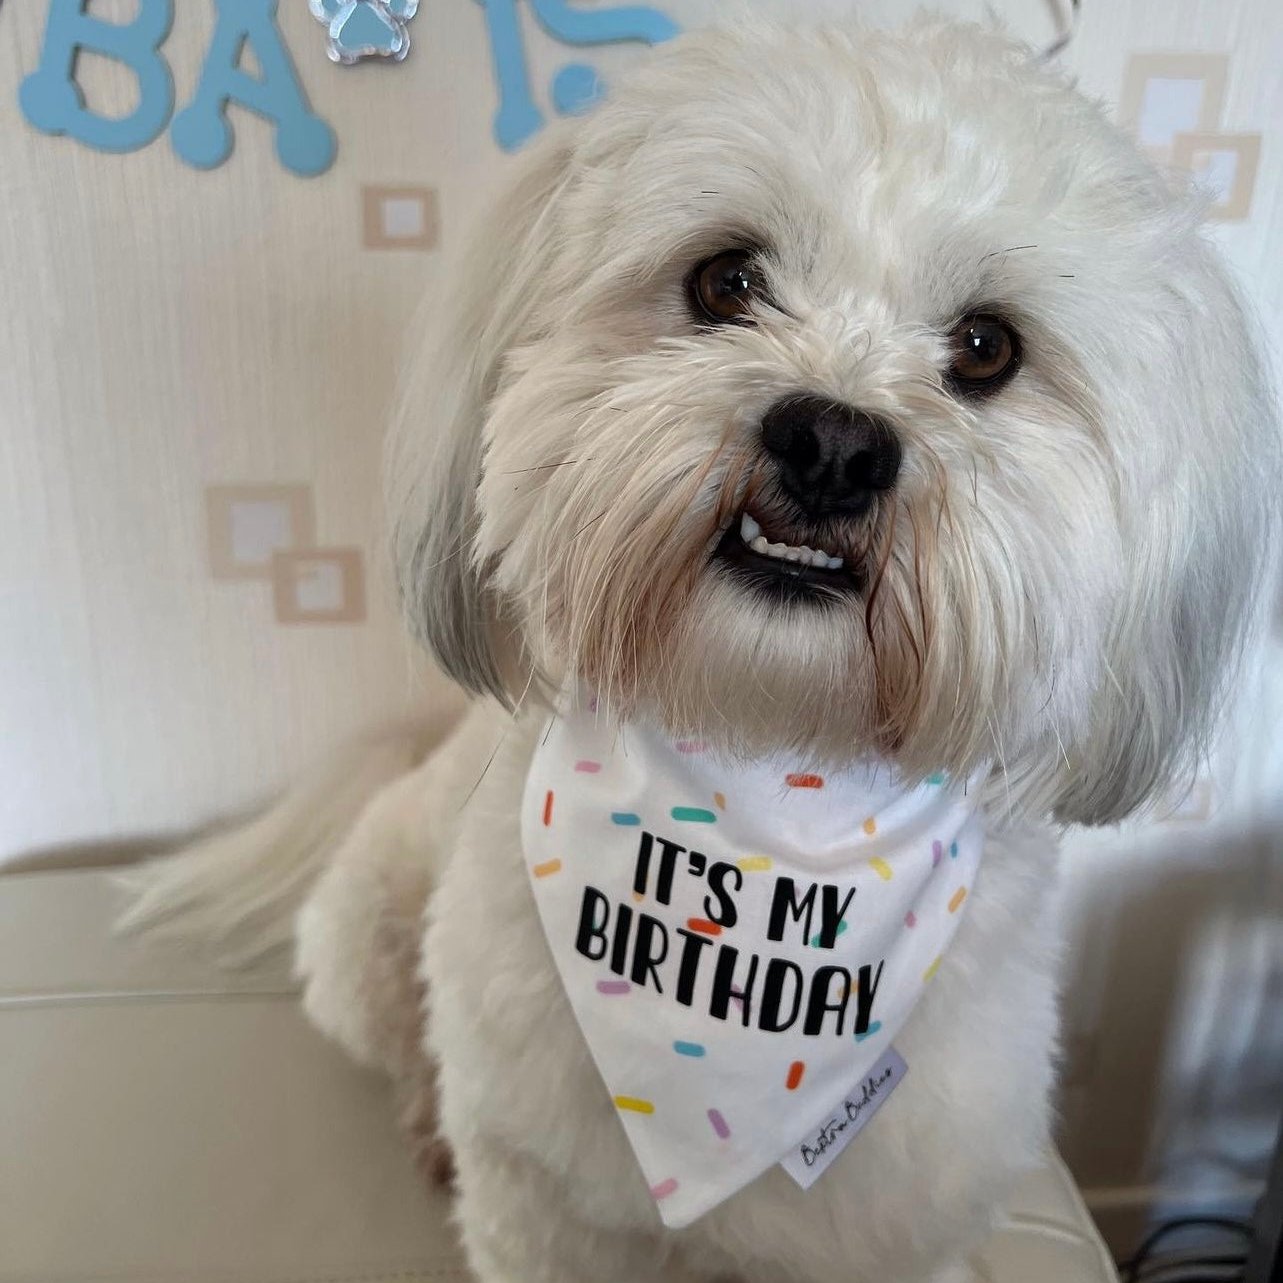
column 361, row 29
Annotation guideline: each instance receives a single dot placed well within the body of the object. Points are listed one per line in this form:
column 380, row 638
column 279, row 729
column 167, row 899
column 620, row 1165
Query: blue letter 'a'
column 201, row 134
column 51, row 99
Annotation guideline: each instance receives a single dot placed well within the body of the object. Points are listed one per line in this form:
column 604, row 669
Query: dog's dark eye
column 723, row 288
column 986, row 353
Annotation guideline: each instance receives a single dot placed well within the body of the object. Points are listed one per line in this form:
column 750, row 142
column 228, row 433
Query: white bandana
column 739, row 941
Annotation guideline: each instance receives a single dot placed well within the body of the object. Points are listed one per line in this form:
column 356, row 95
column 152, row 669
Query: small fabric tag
column 810, row 1158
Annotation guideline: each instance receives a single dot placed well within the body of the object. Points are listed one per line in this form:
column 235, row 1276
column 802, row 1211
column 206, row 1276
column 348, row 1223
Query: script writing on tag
column 810, row 1158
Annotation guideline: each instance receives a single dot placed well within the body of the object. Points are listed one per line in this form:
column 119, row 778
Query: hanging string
column 1063, row 41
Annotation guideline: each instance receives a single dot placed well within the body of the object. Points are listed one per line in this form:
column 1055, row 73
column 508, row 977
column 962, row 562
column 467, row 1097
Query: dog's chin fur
column 1057, row 584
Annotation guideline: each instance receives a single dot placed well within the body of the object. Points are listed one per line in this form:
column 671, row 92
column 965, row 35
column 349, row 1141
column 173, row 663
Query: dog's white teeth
column 751, row 534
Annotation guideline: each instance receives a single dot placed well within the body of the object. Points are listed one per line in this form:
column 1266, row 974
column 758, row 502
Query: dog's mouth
column 791, row 564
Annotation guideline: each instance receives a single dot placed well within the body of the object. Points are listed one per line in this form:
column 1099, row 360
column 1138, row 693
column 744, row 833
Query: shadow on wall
column 1174, row 1047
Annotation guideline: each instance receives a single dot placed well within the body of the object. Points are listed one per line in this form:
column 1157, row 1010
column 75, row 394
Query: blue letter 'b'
column 51, row 99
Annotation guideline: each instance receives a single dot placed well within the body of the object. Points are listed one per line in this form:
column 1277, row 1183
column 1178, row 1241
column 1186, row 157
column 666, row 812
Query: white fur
column 1068, row 571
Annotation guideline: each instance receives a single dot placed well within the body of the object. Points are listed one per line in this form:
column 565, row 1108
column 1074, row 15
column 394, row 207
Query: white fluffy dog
column 961, row 354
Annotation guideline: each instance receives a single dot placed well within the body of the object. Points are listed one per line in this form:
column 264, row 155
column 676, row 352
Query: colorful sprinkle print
column 633, row 1105
column 804, row 781
column 644, row 863
column 693, row 815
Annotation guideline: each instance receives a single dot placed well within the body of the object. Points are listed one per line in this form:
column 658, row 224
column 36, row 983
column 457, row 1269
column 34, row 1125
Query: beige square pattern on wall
column 1223, row 164
column 400, row 218
column 319, row 586
column 250, row 524
column 1165, row 94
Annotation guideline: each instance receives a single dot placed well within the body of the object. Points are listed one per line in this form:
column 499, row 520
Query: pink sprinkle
column 614, row 986
column 937, row 853
column 663, row 1189
column 588, row 768
column 911, row 919
column 719, row 1123
column 691, row 746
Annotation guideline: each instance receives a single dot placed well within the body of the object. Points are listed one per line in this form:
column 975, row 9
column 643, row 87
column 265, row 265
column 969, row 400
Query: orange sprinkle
column 637, row 895
column 547, row 809
column 804, row 781
column 958, row 897
column 870, row 826
column 704, row 926
column 548, row 869
column 796, row 1070
column 720, row 799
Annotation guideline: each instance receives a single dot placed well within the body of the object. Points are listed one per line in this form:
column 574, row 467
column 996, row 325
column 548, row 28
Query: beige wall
column 168, row 335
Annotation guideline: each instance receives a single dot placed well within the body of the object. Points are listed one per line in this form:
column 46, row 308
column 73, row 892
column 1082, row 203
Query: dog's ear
column 1194, row 547
column 435, row 452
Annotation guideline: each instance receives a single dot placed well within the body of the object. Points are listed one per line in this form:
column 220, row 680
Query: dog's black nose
column 831, row 458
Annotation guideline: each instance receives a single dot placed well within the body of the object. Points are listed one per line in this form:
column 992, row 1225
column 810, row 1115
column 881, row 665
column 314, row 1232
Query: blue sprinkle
column 815, row 939
column 953, row 850
column 625, row 818
column 874, row 1028
column 938, row 778
column 688, row 1049
column 693, row 815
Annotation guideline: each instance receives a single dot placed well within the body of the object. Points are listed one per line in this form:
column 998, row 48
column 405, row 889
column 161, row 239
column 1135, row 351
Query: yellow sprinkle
column 637, row 895
column 755, row 863
column 930, row 971
column 637, row 1106
column 720, row 799
column 881, row 868
column 870, row 826
column 547, row 870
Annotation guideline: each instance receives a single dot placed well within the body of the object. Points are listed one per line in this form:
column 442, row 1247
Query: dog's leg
column 517, row 1228
column 359, row 933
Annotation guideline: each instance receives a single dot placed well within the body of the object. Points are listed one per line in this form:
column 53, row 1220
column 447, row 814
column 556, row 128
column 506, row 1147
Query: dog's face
column 855, row 392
